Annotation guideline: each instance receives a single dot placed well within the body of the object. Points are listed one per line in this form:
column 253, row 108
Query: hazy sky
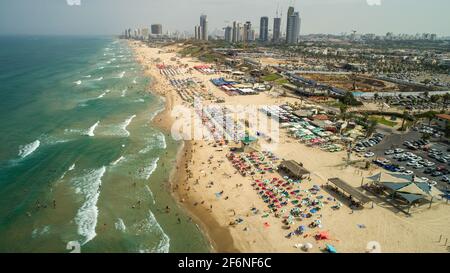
column 318, row 16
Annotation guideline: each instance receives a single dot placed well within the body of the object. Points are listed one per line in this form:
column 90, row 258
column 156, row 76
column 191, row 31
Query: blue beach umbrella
column 331, row 248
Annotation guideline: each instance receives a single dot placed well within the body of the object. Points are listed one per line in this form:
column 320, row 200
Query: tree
column 445, row 100
column 343, row 109
column 371, row 129
column 404, row 116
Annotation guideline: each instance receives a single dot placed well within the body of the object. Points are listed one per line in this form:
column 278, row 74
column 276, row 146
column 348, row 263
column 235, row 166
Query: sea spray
column 28, row 149
column 86, row 218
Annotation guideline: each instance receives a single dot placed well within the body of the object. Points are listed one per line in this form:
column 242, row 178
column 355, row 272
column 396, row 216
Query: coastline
column 219, row 238
column 230, row 213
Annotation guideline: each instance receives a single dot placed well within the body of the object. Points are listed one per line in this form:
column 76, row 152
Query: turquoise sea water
column 79, row 158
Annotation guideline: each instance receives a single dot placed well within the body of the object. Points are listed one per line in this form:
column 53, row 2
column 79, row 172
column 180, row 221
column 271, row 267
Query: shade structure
column 410, row 197
column 375, row 177
column 248, row 139
column 395, row 186
column 430, row 190
column 408, row 177
column 412, row 188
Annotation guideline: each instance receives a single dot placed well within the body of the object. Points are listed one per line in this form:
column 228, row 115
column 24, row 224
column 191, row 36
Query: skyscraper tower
column 236, row 37
column 264, row 29
column 293, row 26
column 204, row 28
column 248, row 32
column 276, row 29
column 228, row 34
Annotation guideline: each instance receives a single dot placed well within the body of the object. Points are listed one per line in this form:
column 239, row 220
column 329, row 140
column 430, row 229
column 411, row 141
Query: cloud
column 374, row 2
column 73, row 2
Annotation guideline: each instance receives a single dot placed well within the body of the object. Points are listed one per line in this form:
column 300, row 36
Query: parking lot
column 429, row 161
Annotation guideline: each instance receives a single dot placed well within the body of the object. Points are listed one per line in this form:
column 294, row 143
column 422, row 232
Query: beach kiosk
column 250, row 144
column 294, row 169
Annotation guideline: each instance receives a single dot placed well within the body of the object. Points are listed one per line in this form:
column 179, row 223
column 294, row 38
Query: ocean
column 80, row 162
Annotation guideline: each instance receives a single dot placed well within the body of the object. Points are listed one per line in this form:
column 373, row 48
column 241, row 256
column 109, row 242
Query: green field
column 271, row 77
column 384, row 121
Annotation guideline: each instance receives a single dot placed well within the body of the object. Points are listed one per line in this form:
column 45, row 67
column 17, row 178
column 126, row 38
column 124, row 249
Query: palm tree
column 445, row 100
column 343, row 108
column 405, row 114
column 371, row 129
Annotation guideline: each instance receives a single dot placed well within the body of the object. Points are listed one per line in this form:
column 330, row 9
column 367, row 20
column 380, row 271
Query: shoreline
column 218, row 237
column 225, row 205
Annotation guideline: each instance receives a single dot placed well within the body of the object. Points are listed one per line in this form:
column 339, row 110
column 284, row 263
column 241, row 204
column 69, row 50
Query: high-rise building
column 156, row 29
column 248, row 32
column 293, row 26
column 144, row 33
column 276, row 29
column 228, row 36
column 198, row 33
column 204, row 28
column 236, row 34
column 264, row 29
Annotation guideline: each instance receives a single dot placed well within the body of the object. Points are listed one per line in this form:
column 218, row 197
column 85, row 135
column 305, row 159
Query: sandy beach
column 229, row 210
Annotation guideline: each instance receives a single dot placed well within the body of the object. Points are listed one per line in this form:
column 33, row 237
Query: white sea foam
column 26, row 150
column 162, row 141
column 103, row 94
column 117, row 161
column 157, row 141
column 120, row 225
column 164, row 244
column 146, row 172
column 71, row 168
column 40, row 231
column 151, row 193
column 126, row 123
column 86, row 218
column 101, row 67
column 154, row 114
column 90, row 131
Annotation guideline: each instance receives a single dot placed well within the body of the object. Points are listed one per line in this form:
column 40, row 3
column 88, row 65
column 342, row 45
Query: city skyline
column 318, row 16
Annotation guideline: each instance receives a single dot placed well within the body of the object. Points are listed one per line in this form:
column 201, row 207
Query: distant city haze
column 94, row 17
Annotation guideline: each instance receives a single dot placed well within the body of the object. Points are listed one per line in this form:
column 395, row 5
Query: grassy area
column 271, row 77
column 384, row 121
column 282, row 81
column 191, row 50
